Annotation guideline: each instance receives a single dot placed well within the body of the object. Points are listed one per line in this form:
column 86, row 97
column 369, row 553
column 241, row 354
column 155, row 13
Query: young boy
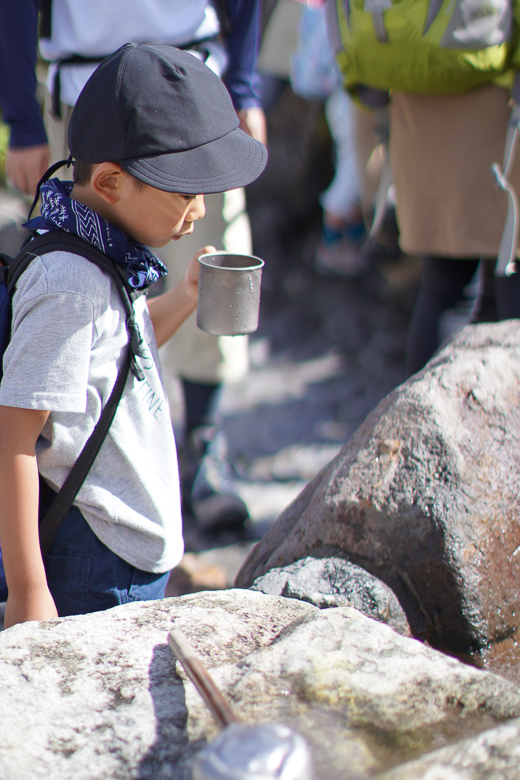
column 152, row 132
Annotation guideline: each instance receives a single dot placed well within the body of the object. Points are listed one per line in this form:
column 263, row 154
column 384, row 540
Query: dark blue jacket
column 18, row 47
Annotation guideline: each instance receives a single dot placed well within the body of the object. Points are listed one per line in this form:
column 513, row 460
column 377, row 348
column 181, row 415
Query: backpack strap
column 377, row 100
column 382, row 133
column 375, row 8
column 45, row 21
column 223, row 17
column 56, row 242
column 77, row 475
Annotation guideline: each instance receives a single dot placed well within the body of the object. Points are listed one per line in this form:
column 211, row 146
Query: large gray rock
column 331, row 581
column 425, row 496
column 100, row 696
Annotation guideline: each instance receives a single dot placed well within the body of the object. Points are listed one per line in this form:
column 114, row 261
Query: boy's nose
column 199, row 208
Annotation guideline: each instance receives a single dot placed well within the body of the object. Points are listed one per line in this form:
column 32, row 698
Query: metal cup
column 229, row 293
column 269, row 751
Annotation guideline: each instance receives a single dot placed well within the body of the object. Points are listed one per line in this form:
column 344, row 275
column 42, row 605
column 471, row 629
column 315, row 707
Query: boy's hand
column 37, row 605
column 191, row 277
column 169, row 310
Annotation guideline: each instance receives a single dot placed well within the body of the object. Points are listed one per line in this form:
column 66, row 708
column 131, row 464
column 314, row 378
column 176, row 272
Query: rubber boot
column 207, row 477
column 508, row 296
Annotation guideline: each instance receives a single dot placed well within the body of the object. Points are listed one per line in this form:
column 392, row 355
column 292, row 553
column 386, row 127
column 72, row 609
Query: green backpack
column 423, row 46
column 431, row 47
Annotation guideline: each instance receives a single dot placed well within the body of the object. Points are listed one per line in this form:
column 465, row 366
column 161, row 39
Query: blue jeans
column 84, row 575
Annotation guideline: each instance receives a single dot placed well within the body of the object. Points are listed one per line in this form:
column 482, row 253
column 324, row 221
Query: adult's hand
column 24, row 167
column 252, row 121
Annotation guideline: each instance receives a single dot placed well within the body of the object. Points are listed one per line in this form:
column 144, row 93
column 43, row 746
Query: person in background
column 339, row 251
column 314, row 75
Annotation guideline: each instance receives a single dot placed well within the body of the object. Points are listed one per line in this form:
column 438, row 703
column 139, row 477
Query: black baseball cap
column 167, row 119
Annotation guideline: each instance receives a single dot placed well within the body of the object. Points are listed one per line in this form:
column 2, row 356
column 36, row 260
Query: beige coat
column 442, row 149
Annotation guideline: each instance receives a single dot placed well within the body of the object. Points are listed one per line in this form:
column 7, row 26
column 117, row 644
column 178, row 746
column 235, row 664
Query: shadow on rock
column 171, row 754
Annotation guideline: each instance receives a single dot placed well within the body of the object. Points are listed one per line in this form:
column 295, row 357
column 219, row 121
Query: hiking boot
column 207, row 482
column 341, row 259
column 340, row 253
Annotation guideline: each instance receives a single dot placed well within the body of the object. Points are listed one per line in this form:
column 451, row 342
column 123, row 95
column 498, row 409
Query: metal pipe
column 217, row 703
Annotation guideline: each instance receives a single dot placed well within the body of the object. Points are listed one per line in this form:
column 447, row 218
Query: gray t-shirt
column 68, row 341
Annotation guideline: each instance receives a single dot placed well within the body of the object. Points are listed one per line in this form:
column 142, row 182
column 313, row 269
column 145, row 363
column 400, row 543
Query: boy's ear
column 106, row 181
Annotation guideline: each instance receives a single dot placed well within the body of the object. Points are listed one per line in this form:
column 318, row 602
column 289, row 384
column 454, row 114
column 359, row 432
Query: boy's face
column 154, row 217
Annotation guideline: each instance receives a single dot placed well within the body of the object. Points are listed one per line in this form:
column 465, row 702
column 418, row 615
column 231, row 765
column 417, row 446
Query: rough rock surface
column 101, row 695
column 493, row 755
column 335, row 582
column 425, row 497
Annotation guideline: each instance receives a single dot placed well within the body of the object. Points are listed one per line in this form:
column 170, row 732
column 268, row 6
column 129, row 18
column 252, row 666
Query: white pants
column 343, row 193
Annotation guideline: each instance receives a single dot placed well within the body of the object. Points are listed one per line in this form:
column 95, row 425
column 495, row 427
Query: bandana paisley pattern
column 60, row 212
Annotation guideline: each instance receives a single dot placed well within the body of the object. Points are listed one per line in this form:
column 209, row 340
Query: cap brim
column 229, row 162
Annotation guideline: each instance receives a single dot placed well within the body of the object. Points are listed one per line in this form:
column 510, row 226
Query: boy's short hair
column 167, row 119
column 82, row 172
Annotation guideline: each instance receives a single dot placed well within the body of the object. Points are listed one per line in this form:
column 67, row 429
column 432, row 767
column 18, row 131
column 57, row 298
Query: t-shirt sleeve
column 46, row 363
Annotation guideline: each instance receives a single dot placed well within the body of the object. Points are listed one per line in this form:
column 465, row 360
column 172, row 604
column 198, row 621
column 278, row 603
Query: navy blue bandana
column 60, row 212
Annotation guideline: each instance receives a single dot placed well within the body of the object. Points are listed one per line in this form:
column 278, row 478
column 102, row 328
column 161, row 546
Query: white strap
column 507, row 253
column 375, row 8
column 382, row 131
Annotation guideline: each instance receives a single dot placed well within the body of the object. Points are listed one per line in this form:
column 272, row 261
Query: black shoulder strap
column 51, row 242
column 78, row 473
column 223, row 17
column 45, row 30
column 59, row 241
